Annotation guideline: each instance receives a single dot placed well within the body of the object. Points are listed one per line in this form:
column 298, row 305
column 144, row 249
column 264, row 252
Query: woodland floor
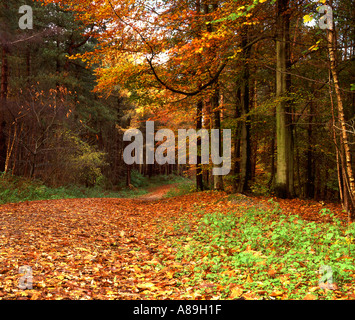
column 114, row 248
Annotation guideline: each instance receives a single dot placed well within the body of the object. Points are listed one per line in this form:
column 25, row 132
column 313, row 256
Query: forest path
column 111, row 248
column 157, row 193
column 94, row 248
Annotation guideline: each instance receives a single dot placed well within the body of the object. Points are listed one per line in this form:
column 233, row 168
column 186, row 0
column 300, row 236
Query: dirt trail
column 157, row 193
column 93, row 248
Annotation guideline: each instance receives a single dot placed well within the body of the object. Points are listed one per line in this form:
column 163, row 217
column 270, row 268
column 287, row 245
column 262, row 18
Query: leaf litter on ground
column 206, row 245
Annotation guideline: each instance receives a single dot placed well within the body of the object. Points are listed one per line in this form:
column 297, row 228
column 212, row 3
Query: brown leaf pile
column 88, row 249
column 97, row 248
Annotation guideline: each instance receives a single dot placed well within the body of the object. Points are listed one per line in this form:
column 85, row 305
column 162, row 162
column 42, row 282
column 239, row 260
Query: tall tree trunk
column 199, row 113
column 289, row 111
column 149, row 170
column 10, row 147
column 217, row 179
column 236, row 146
column 283, row 187
column 128, row 176
column 245, row 164
column 349, row 184
column 338, row 152
column 310, row 161
column 207, row 124
column 272, row 154
column 199, row 175
column 215, row 102
column 3, row 101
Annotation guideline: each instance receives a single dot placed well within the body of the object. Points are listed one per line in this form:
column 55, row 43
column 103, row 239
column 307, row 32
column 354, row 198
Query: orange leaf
column 276, row 293
column 310, row 296
column 236, row 293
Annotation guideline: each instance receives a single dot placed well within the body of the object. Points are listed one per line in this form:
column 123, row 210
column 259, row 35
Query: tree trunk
column 128, row 176
column 272, row 169
column 236, row 157
column 245, row 164
column 283, row 185
column 199, row 175
column 217, row 179
column 3, row 101
column 10, row 147
column 310, row 162
column 349, row 179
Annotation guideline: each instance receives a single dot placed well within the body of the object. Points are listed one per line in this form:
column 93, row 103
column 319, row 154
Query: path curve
column 157, row 193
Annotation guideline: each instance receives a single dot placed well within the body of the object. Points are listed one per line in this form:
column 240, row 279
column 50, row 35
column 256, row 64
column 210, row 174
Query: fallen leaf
column 236, row 293
column 276, row 293
column 314, row 289
column 310, row 296
column 145, row 285
column 328, row 286
column 271, row 273
column 36, row 296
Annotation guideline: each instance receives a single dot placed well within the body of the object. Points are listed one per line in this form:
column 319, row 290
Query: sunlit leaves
column 199, row 246
column 307, row 18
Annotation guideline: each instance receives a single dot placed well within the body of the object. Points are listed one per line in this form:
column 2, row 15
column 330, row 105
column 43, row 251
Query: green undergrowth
column 267, row 253
column 185, row 187
column 17, row 189
column 138, row 180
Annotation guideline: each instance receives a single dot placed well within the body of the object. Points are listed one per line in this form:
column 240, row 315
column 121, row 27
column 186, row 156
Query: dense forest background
column 85, row 73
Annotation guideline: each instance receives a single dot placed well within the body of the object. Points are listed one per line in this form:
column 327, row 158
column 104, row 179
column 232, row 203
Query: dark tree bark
column 217, row 179
column 199, row 175
column 245, row 165
column 310, row 160
column 3, row 101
